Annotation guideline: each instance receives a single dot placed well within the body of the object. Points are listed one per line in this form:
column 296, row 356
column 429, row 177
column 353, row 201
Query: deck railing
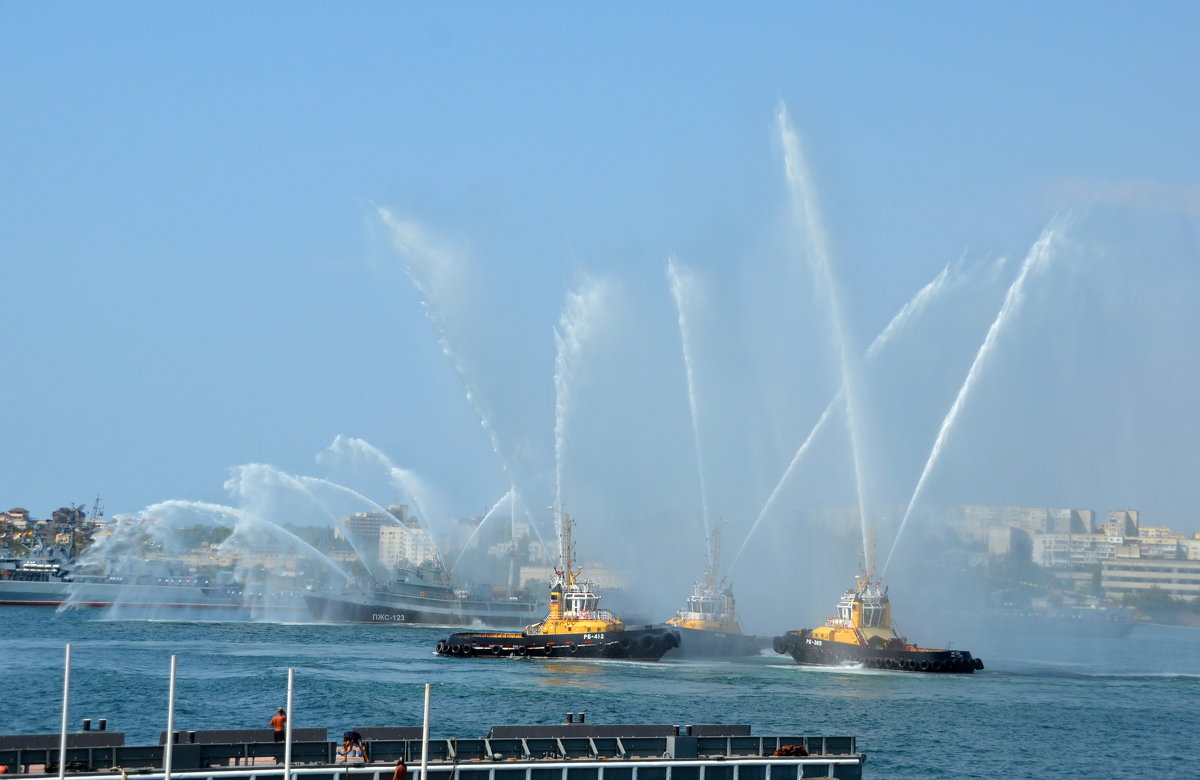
column 546, row 758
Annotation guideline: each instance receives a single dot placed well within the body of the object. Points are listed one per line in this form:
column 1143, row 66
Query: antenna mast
column 567, row 551
column 713, row 574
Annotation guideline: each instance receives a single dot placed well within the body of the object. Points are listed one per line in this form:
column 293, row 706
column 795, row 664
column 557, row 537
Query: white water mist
column 580, row 319
column 803, row 195
column 1038, row 258
column 431, row 269
column 506, row 499
column 909, row 311
column 683, row 289
column 407, row 482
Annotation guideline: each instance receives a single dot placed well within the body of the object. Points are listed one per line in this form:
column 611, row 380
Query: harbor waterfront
column 1054, row 707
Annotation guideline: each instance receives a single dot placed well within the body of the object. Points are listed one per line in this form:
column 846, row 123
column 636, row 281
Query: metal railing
column 191, row 757
column 848, row 767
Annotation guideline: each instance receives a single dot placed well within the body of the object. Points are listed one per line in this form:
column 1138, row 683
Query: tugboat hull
column 804, row 649
column 698, row 643
column 644, row 644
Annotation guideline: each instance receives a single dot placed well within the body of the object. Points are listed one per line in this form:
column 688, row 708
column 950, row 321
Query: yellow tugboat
column 862, row 635
column 709, row 626
column 576, row 626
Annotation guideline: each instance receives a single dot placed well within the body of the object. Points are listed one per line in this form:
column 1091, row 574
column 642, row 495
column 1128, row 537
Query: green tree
column 1153, row 599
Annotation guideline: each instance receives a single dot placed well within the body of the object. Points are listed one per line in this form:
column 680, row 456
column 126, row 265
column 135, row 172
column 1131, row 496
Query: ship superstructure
column 708, row 624
column 862, row 634
column 575, row 625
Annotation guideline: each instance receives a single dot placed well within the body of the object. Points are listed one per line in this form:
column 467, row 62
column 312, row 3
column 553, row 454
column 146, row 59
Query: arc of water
column 381, row 510
column 404, row 479
column 238, row 486
column 575, row 327
column 238, row 516
column 518, row 499
column 241, row 515
column 1038, row 257
column 412, row 243
column 804, row 199
column 678, row 281
column 914, row 306
column 507, row 497
column 560, row 416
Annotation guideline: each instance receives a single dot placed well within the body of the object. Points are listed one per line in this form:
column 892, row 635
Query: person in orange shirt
column 279, row 723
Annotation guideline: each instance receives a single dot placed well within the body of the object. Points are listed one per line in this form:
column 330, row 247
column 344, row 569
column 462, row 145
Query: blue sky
column 197, row 274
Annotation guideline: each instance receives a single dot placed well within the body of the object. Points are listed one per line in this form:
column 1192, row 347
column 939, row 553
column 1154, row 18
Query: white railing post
column 425, row 739
column 287, row 739
column 170, row 724
column 62, row 742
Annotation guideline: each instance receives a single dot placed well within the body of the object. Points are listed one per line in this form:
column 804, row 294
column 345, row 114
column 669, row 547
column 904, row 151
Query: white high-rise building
column 402, row 543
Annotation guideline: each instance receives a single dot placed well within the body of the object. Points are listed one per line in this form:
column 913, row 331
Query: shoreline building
column 392, row 538
column 1118, row 557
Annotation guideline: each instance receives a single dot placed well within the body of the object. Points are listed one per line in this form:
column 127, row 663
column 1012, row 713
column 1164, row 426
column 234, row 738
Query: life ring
column 923, row 665
column 911, row 664
column 497, row 650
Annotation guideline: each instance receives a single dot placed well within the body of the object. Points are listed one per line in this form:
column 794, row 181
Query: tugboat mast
column 712, row 574
column 566, row 553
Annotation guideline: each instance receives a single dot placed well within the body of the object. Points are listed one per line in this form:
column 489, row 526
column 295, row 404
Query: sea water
column 1043, row 707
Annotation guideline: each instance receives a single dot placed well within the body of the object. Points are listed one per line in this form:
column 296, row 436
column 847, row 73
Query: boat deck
column 593, row 752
